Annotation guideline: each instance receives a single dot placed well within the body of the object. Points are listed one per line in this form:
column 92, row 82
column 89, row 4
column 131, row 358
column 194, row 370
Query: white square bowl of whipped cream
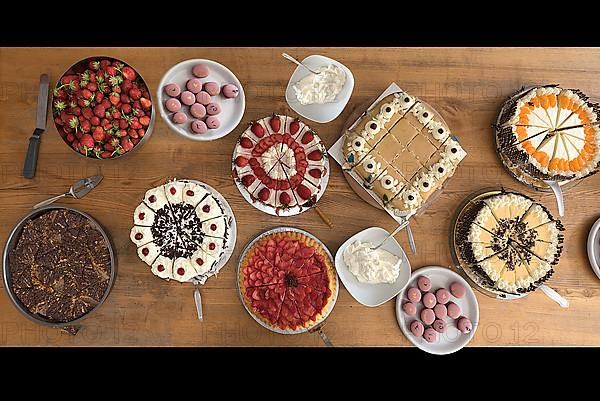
column 372, row 277
column 320, row 97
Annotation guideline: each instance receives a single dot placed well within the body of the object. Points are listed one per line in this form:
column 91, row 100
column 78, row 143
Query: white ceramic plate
column 321, row 113
column 232, row 110
column 593, row 247
column 373, row 294
column 452, row 340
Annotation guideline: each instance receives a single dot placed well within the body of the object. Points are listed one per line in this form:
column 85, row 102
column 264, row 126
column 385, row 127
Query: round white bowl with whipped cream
column 372, row 277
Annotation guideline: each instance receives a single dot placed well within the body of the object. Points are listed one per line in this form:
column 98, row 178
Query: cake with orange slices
column 550, row 133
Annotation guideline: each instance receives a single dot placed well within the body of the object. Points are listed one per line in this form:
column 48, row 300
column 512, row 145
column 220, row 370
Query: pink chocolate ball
column 427, row 316
column 199, row 127
column 179, row 118
column 430, row 335
column 203, row 98
column 213, row 122
column 213, row 109
column 440, row 311
column 200, row 70
column 439, row 325
column 212, row 88
column 194, row 85
column 417, row 328
column 453, row 310
column 457, row 289
column 464, row 325
column 442, row 295
column 429, row 300
column 409, row 308
column 197, row 110
column 173, row 105
column 424, row 283
column 188, row 98
column 230, row 91
column 172, row 90
column 413, row 294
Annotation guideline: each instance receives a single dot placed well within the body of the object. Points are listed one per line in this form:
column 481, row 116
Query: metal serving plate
column 11, row 242
column 334, row 294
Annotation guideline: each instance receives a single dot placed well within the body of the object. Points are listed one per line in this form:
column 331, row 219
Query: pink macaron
column 212, row 109
column 454, row 310
column 199, row 127
column 442, row 295
column 417, row 328
column 172, row 90
column 424, row 283
column 427, row 316
column 200, row 70
column 213, row 122
column 458, row 290
column 203, row 98
column 173, row 105
column 440, row 311
column 194, row 85
column 413, row 294
column 197, row 110
column 429, row 300
column 464, row 325
column 430, row 335
column 230, row 91
column 188, row 98
column 212, row 88
column 439, row 325
column 179, row 118
column 409, row 308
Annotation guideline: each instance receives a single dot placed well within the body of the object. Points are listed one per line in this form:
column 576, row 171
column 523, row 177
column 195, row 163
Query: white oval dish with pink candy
column 201, row 99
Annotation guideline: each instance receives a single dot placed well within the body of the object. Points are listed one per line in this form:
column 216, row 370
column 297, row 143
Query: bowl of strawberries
column 102, row 108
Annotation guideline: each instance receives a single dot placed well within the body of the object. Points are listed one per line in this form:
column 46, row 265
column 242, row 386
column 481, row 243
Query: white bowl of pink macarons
column 201, row 99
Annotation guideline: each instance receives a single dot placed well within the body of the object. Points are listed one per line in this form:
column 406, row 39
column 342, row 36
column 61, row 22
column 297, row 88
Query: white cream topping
column 371, row 266
column 320, row 88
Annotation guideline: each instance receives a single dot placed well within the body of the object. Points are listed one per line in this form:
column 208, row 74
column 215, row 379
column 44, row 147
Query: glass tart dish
column 287, row 280
column 59, row 266
column 506, row 243
column 280, row 165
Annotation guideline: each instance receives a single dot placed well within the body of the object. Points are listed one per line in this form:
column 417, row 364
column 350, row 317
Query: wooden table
column 467, row 86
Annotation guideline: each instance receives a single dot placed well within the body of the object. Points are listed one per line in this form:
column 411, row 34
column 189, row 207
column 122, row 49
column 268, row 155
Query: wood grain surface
column 467, row 86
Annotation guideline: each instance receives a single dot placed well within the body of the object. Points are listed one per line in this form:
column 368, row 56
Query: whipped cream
column 371, row 267
column 320, row 88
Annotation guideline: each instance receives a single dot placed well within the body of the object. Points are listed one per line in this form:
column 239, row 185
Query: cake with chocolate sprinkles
column 181, row 231
column 510, row 242
column 550, row 133
column 60, row 268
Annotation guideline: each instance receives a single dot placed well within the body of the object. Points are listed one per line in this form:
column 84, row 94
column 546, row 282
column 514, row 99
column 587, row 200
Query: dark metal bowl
column 11, row 242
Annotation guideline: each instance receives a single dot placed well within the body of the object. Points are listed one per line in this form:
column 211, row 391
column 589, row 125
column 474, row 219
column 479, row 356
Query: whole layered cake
column 402, row 151
column 60, row 268
column 510, row 242
column 287, row 281
column 181, row 230
column 280, row 162
column 550, row 133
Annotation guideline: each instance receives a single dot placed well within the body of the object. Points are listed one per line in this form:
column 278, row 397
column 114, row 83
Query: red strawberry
column 70, row 137
column 307, row 137
column 263, row 194
column 123, row 123
column 275, row 123
column 136, row 125
column 257, row 130
column 128, row 73
column 145, row 121
column 110, row 70
column 114, row 98
column 92, row 87
column 116, row 115
column 241, row 161
column 75, row 145
column 106, row 154
column 76, row 111
column 106, row 103
column 285, row 199
column 98, row 134
column 125, row 108
column 303, row 191
column 135, row 141
column 104, row 123
column 61, row 94
column 59, row 121
column 104, row 64
column 99, row 111
column 108, row 146
column 99, row 97
column 247, row 180
column 246, row 143
column 141, row 132
column 135, row 93
column 87, row 112
column 253, row 163
column 294, row 127
column 87, row 141
column 95, row 120
column 146, row 104
column 126, row 85
column 126, row 144
column 121, row 133
column 85, row 125
column 315, row 155
column 315, row 172
column 78, row 134
column 86, row 93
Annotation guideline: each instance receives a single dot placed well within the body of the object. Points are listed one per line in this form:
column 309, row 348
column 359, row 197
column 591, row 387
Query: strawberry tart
column 281, row 164
column 287, row 281
column 182, row 230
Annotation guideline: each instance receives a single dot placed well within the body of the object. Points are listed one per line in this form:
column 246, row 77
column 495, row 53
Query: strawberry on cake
column 280, row 162
column 287, row 281
column 181, row 231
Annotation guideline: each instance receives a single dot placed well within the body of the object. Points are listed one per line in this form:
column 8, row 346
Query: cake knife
column 40, row 127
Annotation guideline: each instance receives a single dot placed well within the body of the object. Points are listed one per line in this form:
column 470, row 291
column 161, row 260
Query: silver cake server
column 78, row 190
